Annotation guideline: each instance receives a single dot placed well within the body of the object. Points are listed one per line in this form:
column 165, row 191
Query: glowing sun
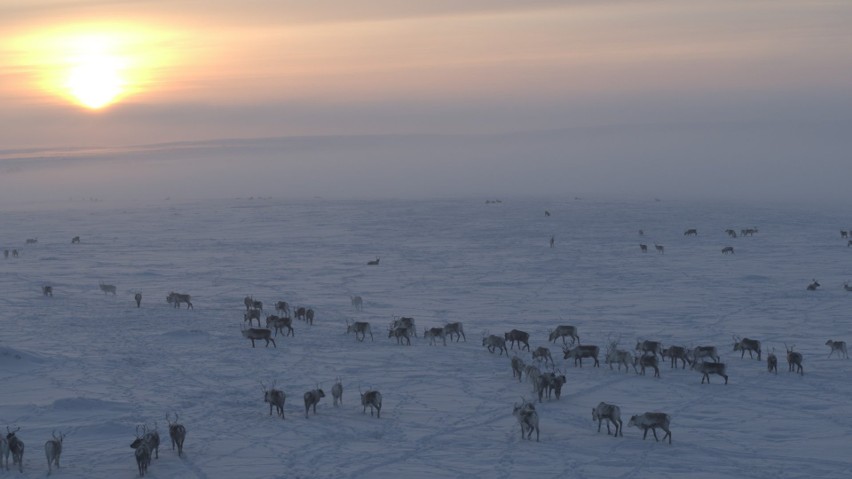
column 95, row 80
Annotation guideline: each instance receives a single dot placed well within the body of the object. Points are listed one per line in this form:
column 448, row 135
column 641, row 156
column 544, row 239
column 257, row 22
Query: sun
column 95, row 81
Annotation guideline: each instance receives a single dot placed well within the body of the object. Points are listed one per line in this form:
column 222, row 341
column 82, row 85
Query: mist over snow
column 95, row 366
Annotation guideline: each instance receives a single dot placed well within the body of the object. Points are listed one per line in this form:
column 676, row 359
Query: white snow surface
column 94, row 366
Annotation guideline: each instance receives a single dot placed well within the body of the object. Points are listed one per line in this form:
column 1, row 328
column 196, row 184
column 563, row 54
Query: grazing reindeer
column 258, row 334
column 278, row 324
column 176, row 298
column 612, row 414
column 527, row 418
column 837, row 347
column 312, row 398
column 646, row 361
column 143, row 452
column 52, row 450
column 728, row 250
column 138, row 298
column 47, row 291
column 660, row 249
column 691, row 232
column 406, row 323
column 399, row 333
column 374, row 400
column 432, row 334
column 746, row 344
column 706, row 369
column 542, row 354
column 520, row 337
column 653, row 347
column 564, row 332
column 652, row 421
column 107, row 288
column 361, row 327
column 177, row 433
column 794, row 360
column 701, row 352
column 337, row 393
column 643, row 248
column 75, row 240
column 581, row 352
column 357, row 303
column 274, row 397
column 493, row 342
column 456, row 329
column 813, row 286
column 517, row 367
column 252, row 314
column 374, row 262
column 16, row 447
column 675, row 353
column 772, row 362
column 731, row 233
column 282, row 307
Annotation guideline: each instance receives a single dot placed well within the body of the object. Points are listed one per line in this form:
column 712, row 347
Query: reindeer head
column 10, row 433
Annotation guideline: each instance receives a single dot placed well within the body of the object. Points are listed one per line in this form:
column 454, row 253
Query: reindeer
column 564, row 332
column 520, row 337
column 75, row 240
column 177, row 433
column 706, row 369
column 612, row 414
column 691, row 232
column 813, row 286
column 432, row 334
column 309, row 316
column 794, row 360
column 374, row 262
column 772, row 362
column 533, row 375
column 258, row 334
column 176, row 298
column 846, row 284
column 374, row 400
column 143, row 453
column 32, row 240
column 279, row 323
column 52, row 450
column 837, row 347
column 337, row 393
column 312, row 398
column 405, row 323
column 456, row 329
column 653, row 347
column 542, row 354
column 620, row 357
column 527, row 418
column 643, row 248
column 15, row 253
column 553, row 383
column 517, row 367
column 274, row 397
column 252, row 314
column 746, row 344
column 731, row 233
column 250, row 303
column 701, row 352
column 495, row 342
column 16, row 447
column 138, row 298
column 357, row 303
column 728, row 250
column 645, row 361
column 399, row 333
column 47, row 291
column 362, row 327
column 660, row 249
column 652, row 421
column 282, row 307
column 107, row 288
column 844, row 234
column 675, row 353
column 581, row 352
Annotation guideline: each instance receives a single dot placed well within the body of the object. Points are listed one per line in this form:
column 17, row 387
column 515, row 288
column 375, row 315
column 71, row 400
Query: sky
column 722, row 98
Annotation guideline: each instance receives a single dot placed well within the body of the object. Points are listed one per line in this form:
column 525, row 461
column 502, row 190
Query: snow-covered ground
column 95, row 366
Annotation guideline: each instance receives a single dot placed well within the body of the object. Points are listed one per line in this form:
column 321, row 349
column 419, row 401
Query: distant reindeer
column 177, row 433
column 517, row 336
column 52, row 450
column 843, row 234
column 250, row 303
column 32, row 240
column 359, row 327
column 309, row 316
column 15, row 253
column 794, row 360
column 527, row 418
column 47, row 291
column 282, row 307
column 142, row 454
column 399, row 333
column 706, row 369
column 746, row 344
column 517, row 367
column 312, row 398
column 846, row 286
column 849, row 243
column 275, row 398
column 691, row 232
column 175, row 299
column 643, row 248
column 493, row 342
column 16, row 447
column 652, row 421
column 660, row 248
column 433, row 334
column 674, row 353
column 405, row 323
column 813, row 286
column 611, row 414
column 837, row 347
column 357, row 303
column 772, row 362
column 645, row 361
column 138, row 298
column 563, row 332
column 374, row 262
column 278, row 324
column 456, row 329
column 551, row 383
column 542, row 354
column 107, row 288
column 701, row 352
column 731, row 233
column 546, row 213
column 581, row 352
column 257, row 334
column 300, row 313
column 250, row 315
column 620, row 357
column 653, row 347
column 641, row 233
column 75, row 240
column 374, row 400
column 728, row 250
column 533, row 375
column 337, row 393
